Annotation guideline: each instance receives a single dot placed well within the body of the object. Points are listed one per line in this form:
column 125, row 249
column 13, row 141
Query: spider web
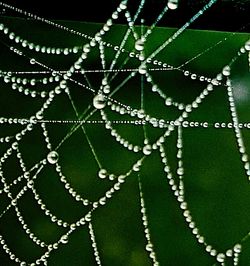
column 70, row 111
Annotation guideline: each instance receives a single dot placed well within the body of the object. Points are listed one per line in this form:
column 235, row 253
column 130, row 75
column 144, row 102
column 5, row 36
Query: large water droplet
column 53, row 157
column 172, row 4
column 99, row 101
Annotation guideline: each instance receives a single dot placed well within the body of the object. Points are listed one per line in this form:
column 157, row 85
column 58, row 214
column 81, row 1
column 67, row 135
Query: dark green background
column 217, row 189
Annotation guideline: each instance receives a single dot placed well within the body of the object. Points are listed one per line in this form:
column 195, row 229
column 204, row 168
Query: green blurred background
column 217, row 189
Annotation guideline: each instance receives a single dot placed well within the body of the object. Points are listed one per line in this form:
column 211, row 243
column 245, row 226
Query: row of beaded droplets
column 178, row 190
column 149, row 246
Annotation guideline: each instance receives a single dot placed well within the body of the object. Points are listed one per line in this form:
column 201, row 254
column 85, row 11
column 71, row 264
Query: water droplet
column 14, row 145
column 208, row 248
column 64, row 239
column 183, row 205
column 98, row 37
column 141, row 114
column 180, row 171
column 237, row 248
column 30, row 184
column 32, row 61
column 229, row 253
column 172, row 4
column 123, row 5
column 247, row 166
column 244, row 158
column 14, row 202
column 106, row 89
column 103, row 173
column 99, row 101
column 136, row 168
column 147, row 149
column 247, row 45
column 86, row 48
column 121, row 178
column 6, row 79
column 139, row 45
column 149, row 247
column 104, row 81
column 193, row 76
column 115, row 15
column 168, row 102
column 201, row 239
column 102, row 201
column 220, row 257
column 226, row 71
column 219, row 77
column 53, row 157
column 142, row 69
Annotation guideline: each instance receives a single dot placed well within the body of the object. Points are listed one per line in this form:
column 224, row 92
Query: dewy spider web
column 106, row 98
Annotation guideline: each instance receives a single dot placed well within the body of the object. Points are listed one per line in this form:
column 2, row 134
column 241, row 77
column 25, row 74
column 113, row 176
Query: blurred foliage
column 217, row 189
